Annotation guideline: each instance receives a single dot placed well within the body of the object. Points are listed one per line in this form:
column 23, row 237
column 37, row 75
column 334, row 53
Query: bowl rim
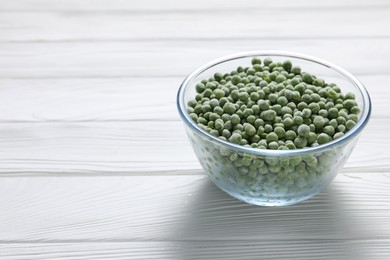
column 362, row 122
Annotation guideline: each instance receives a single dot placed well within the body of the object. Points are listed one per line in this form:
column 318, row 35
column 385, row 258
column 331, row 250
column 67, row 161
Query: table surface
column 94, row 160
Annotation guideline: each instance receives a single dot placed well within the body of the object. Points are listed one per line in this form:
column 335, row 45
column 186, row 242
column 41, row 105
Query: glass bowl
column 272, row 177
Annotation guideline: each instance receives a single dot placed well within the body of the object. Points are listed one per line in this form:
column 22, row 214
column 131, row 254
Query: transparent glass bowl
column 272, row 177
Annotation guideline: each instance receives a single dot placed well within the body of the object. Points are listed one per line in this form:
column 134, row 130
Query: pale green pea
column 312, row 138
column 303, row 130
column 338, row 135
column 250, row 130
column 350, row 124
column 300, row 142
column 341, row 128
column 290, row 135
column 273, row 145
column 319, row 122
column 297, row 120
column 323, row 138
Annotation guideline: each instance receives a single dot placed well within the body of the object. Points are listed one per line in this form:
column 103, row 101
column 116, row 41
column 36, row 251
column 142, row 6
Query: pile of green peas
column 272, row 105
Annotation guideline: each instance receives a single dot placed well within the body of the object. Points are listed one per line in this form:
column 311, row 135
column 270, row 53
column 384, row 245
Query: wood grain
column 117, row 99
column 178, row 6
column 300, row 24
column 127, row 148
column 184, row 208
column 172, row 250
column 90, row 169
column 176, row 58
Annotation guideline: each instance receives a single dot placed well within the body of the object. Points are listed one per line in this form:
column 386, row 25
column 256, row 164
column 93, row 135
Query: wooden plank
column 241, row 250
column 184, row 208
column 174, row 58
column 117, row 99
column 127, row 148
column 177, row 6
column 50, row 26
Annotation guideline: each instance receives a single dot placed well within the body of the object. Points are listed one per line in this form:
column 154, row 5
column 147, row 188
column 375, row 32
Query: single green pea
column 323, row 138
column 303, row 130
column 312, row 137
column 250, row 130
column 273, row 145
column 296, row 70
column 323, row 113
column 268, row 115
column 229, row 108
column 214, row 116
column 318, row 82
column 341, row 128
column 329, row 130
column 235, row 138
column 319, row 122
column 349, row 95
column 273, row 97
column 338, row 135
column 280, row 132
column 226, row 133
column 214, row 132
column 355, row 110
column 268, row 128
column 267, row 61
column 306, row 113
column 332, row 94
column 290, row 135
column 353, row 117
column 307, row 78
column 236, row 79
column 271, row 137
column 314, row 107
column 280, row 78
column 350, row 124
column 333, row 113
column 219, row 93
column 300, row 142
column 297, row 120
column 287, row 65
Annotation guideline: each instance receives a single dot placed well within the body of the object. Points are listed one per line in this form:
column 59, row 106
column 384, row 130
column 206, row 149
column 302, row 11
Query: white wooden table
column 94, row 161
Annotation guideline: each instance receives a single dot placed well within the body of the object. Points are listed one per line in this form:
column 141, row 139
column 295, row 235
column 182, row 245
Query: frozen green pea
column 306, row 113
column 273, row 145
column 319, row 122
column 280, row 132
column 214, row 116
column 268, row 115
column 314, row 107
column 332, row 94
column 219, row 124
column 235, row 138
column 250, row 130
column 312, row 137
column 272, row 137
column 214, row 132
column 323, row 138
column 229, row 108
column 329, row 130
column 355, row 110
column 300, row 142
column 341, row 128
column 236, row 79
column 235, row 119
column 297, row 120
column 303, row 130
column 338, row 135
column 353, row 117
column 290, row 135
column 350, row 124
